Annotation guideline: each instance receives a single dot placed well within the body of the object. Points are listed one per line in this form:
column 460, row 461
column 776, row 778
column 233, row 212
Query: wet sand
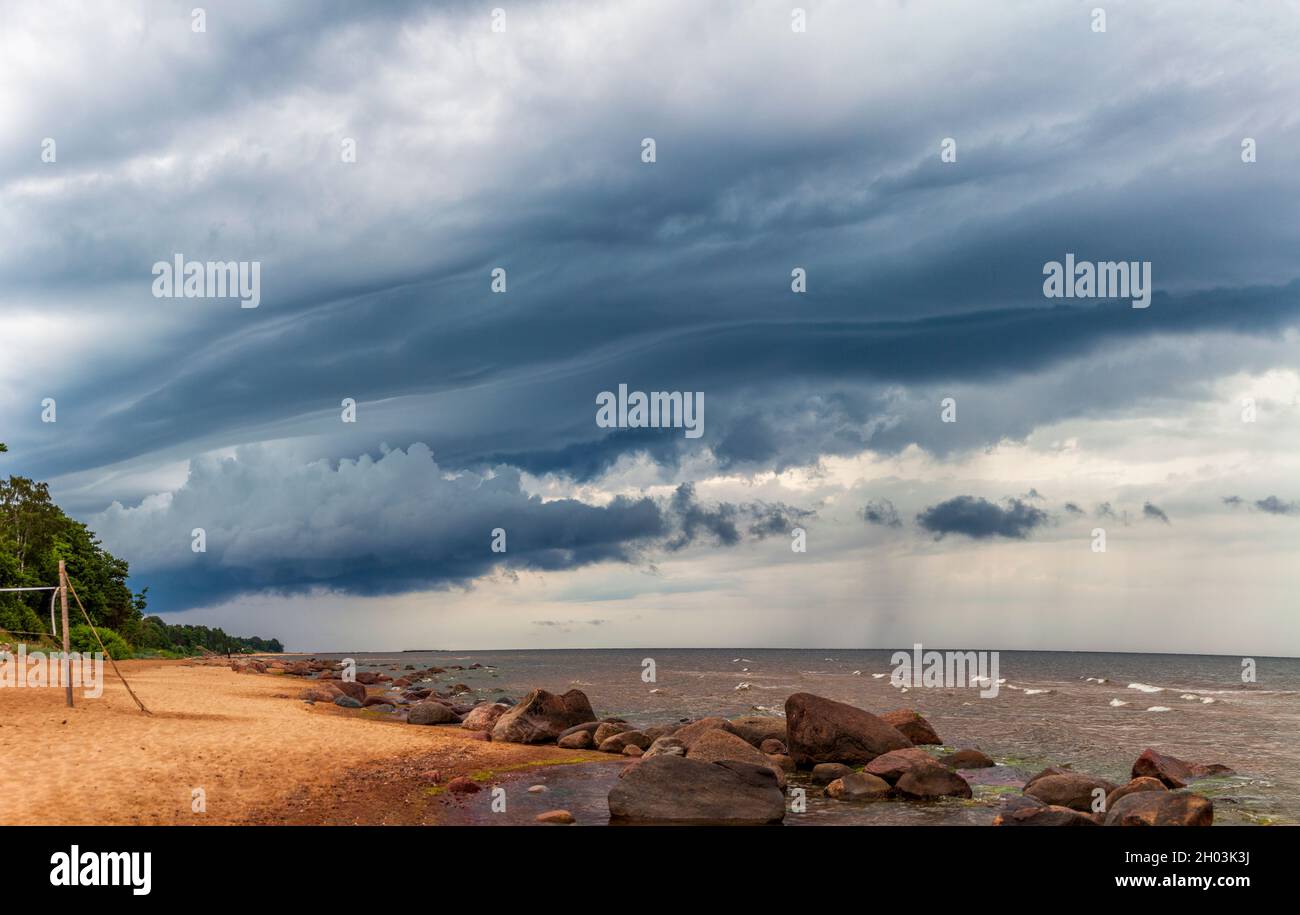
column 259, row 754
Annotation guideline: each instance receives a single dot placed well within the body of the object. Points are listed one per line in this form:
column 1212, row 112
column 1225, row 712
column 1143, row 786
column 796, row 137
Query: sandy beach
column 260, row 755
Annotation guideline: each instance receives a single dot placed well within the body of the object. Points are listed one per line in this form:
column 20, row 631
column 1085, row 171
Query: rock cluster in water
column 734, row 771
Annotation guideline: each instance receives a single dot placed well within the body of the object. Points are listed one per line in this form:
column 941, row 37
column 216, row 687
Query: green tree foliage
column 35, row 534
column 156, row 634
column 84, row 641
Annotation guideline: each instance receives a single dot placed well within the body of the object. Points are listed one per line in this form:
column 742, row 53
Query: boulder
column 482, row 716
column 1026, row 811
column 431, row 712
column 967, row 759
column 1144, row 783
column 578, row 740
column 754, row 729
column 891, row 766
column 665, row 746
column 717, row 745
column 368, row 677
column 934, row 780
column 463, row 785
column 317, row 695
column 346, row 702
column 674, row 789
column 688, row 732
column 370, row 701
column 1070, row 789
column 660, row 730
column 624, row 739
column 1171, row 770
column 632, row 750
column 351, row 688
column 1161, row 808
column 782, row 762
column 588, row 727
column 822, row 730
column 607, row 729
column 542, row 716
column 556, row 817
column 825, row 773
column 857, row 786
column 773, row 747
column 1050, row 770
column 912, row 726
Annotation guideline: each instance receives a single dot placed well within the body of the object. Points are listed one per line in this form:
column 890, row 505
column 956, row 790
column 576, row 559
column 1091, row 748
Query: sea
column 1095, row 712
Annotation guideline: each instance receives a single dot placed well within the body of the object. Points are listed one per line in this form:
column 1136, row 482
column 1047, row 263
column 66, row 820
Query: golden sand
column 259, row 754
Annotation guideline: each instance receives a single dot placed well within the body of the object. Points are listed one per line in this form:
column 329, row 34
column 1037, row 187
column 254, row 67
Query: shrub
column 83, row 640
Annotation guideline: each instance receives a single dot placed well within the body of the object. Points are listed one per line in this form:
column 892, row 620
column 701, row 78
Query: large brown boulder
column 934, row 780
column 1026, row 811
column 825, row 773
column 1071, row 789
column 968, row 759
column 1171, row 770
column 756, row 728
column 718, row 745
column 607, row 729
column 665, row 746
column 483, row 717
column 577, row 740
column 674, row 789
column 1161, row 808
column 542, row 716
column 857, row 786
column 1143, row 783
column 912, row 726
column 892, row 765
column 431, row 712
column 350, row 688
column 618, row 743
column 688, row 732
column 822, row 730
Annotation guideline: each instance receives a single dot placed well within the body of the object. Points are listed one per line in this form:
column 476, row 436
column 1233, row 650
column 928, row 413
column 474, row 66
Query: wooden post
column 67, row 641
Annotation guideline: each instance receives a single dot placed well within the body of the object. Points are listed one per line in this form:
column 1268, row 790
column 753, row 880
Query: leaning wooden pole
column 67, row 642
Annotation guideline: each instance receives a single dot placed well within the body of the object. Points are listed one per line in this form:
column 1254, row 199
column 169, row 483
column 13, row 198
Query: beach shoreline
column 258, row 755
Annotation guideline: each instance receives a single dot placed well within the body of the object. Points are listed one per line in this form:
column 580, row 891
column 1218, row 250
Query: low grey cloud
column 394, row 523
column 1154, row 512
column 1275, row 506
column 981, row 519
column 882, row 512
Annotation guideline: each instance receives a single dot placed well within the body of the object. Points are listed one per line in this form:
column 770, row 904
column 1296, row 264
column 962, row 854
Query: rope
column 106, row 654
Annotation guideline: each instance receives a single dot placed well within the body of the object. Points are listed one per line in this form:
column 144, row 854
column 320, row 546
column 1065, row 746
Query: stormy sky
column 129, row 135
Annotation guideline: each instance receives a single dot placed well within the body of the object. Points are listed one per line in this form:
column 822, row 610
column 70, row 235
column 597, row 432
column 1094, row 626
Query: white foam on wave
column 1117, row 703
column 1038, row 692
column 1146, row 688
column 1096, row 679
column 1159, row 708
column 877, row 676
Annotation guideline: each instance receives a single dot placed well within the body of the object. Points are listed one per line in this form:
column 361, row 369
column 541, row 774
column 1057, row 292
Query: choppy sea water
column 1054, row 708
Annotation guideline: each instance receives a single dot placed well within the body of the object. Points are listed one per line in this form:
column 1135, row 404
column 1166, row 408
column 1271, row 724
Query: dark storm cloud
column 1275, row 506
column 981, row 519
column 1073, row 509
column 392, row 524
column 1154, row 512
column 522, row 150
column 721, row 523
